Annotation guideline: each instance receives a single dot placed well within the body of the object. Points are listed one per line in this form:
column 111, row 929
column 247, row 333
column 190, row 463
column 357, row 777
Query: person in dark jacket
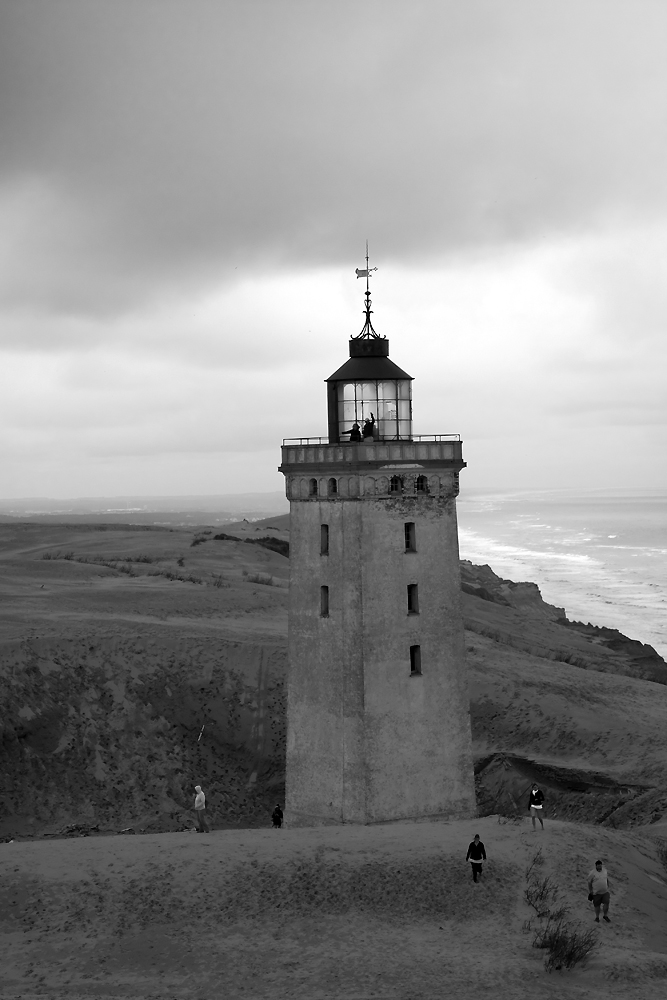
column 277, row 817
column 476, row 854
column 368, row 428
column 535, row 803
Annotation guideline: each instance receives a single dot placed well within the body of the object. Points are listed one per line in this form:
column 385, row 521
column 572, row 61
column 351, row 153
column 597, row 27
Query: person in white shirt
column 598, row 891
column 200, row 809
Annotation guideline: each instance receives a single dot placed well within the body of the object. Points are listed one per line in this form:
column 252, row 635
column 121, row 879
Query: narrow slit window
column 415, row 660
column 312, row 488
column 410, row 538
column 413, row 599
column 324, row 539
column 333, row 487
column 324, row 602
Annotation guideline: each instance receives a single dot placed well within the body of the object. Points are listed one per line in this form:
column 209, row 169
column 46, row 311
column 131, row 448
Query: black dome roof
column 368, row 362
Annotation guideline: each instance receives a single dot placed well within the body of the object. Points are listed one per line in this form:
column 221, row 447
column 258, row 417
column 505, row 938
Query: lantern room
column 369, row 397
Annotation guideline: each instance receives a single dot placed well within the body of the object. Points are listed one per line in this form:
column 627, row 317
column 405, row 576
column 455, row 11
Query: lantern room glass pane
column 368, row 392
column 387, row 409
column 346, row 411
column 387, row 401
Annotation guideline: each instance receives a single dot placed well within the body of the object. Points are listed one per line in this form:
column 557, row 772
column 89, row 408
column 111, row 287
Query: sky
column 186, row 189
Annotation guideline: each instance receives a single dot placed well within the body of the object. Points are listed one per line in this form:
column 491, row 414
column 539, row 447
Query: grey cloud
column 176, row 144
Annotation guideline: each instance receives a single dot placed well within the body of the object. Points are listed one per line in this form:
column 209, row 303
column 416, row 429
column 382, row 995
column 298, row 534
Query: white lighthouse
column 378, row 720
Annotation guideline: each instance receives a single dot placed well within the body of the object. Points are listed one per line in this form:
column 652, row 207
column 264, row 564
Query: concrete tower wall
column 367, row 740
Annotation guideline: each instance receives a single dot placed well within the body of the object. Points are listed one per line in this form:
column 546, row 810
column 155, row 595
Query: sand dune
column 388, row 911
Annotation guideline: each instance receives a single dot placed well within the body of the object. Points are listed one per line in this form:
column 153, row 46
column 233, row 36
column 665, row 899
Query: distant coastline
column 602, row 555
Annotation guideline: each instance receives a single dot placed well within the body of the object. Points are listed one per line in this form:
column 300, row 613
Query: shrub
column 540, row 893
column 536, row 862
column 568, row 946
column 547, row 933
column 269, row 542
column 222, row 537
column 267, row 581
column 175, row 576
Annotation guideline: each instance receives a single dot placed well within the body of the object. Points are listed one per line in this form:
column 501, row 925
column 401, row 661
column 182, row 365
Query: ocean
column 600, row 554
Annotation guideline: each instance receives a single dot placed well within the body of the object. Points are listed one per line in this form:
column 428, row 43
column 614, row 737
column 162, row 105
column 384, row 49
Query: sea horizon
column 600, row 554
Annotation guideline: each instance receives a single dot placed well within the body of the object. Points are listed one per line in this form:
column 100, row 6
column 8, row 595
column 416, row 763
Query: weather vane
column 365, row 272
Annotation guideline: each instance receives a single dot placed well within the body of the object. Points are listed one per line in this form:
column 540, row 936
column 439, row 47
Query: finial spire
column 367, row 329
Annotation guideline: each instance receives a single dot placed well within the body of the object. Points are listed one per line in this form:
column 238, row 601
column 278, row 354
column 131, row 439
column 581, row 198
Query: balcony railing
column 416, row 438
column 306, row 452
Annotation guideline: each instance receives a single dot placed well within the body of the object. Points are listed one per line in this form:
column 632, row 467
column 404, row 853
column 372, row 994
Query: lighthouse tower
column 378, row 720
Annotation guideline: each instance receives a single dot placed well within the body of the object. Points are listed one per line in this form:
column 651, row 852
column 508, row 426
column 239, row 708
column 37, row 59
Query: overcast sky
column 186, row 189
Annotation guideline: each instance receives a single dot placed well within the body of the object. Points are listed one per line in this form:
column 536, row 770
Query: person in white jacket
column 200, row 809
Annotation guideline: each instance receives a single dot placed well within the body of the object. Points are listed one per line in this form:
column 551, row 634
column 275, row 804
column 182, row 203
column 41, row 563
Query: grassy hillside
column 118, row 643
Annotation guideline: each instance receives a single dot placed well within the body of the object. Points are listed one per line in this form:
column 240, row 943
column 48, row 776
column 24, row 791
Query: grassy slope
column 107, row 678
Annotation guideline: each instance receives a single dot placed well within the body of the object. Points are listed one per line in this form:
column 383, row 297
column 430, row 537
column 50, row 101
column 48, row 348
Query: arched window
column 395, row 485
column 312, row 488
column 421, row 484
column 333, row 487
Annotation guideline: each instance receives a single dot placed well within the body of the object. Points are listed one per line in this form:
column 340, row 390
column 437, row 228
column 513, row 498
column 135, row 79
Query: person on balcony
column 355, row 432
column 369, row 429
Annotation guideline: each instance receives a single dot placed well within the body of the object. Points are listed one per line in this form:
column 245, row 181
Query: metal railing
column 304, row 441
column 416, row 439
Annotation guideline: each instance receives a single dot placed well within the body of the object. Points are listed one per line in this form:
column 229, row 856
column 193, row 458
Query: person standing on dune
column 598, row 891
column 476, row 854
column 277, row 817
column 200, row 809
column 535, row 802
